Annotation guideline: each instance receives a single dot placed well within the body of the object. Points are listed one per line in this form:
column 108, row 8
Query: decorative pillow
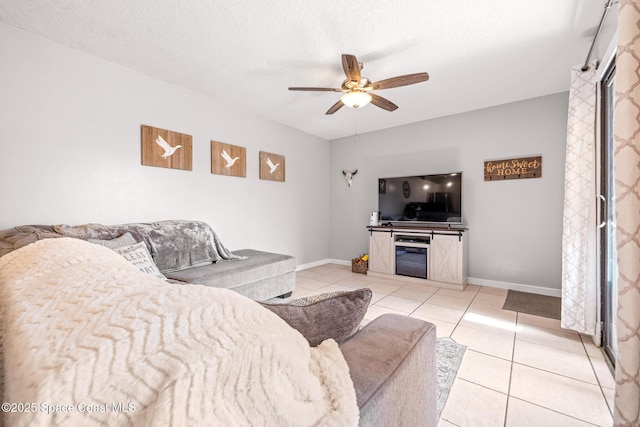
column 125, row 240
column 301, row 302
column 334, row 315
column 139, row 256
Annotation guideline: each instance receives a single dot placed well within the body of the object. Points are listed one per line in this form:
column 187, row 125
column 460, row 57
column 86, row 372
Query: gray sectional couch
column 184, row 251
column 261, row 276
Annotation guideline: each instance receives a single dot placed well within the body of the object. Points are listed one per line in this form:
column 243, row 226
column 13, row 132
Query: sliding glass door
column 606, row 215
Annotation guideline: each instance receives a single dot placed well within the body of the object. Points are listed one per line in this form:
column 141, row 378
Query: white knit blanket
column 93, row 341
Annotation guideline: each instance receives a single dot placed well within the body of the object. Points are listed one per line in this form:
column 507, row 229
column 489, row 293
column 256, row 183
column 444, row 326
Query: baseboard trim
column 339, row 261
column 515, row 287
column 311, row 264
column 322, row 262
column 470, row 280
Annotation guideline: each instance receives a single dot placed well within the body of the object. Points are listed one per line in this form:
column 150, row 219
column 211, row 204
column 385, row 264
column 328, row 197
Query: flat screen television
column 421, row 198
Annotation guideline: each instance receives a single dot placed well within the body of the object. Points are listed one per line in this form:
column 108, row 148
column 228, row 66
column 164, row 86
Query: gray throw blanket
column 174, row 244
column 23, row 235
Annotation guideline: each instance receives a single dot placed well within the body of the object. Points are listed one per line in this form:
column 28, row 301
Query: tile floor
column 518, row 370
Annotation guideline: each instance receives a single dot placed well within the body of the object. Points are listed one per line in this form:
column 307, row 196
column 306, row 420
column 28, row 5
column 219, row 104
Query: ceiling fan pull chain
column 356, row 132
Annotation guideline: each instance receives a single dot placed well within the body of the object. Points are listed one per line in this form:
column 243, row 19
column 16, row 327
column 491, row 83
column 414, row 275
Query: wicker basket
column 360, row 266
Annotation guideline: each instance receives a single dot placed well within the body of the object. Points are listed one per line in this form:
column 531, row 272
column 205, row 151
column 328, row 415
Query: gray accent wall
column 515, row 226
column 70, row 151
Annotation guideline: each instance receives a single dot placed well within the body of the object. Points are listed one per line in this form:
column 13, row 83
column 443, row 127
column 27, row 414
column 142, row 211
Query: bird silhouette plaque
column 227, row 159
column 271, row 166
column 165, row 148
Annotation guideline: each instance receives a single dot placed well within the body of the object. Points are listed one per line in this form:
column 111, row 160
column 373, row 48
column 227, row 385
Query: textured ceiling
column 478, row 53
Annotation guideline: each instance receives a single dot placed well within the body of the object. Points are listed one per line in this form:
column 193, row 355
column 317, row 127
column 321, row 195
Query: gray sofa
column 261, row 276
column 184, row 251
column 392, row 360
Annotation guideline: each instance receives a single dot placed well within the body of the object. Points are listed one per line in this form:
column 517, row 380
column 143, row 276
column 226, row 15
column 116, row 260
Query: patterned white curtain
column 579, row 258
column 626, row 125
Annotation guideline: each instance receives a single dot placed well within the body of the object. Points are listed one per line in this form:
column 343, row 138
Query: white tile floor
column 519, row 370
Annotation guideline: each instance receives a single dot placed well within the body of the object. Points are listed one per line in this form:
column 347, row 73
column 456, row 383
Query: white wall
column 70, row 153
column 515, row 226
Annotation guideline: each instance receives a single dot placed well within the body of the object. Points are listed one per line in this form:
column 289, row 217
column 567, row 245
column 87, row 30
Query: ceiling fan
column 357, row 89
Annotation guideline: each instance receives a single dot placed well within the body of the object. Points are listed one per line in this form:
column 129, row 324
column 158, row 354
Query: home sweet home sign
column 524, row 167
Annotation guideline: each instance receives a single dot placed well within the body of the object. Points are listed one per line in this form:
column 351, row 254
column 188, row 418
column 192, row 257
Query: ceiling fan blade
column 335, row 107
column 351, row 67
column 383, row 103
column 398, row 81
column 318, row 89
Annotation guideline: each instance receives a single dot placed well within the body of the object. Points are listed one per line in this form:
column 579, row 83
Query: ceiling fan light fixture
column 356, row 87
column 355, row 99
